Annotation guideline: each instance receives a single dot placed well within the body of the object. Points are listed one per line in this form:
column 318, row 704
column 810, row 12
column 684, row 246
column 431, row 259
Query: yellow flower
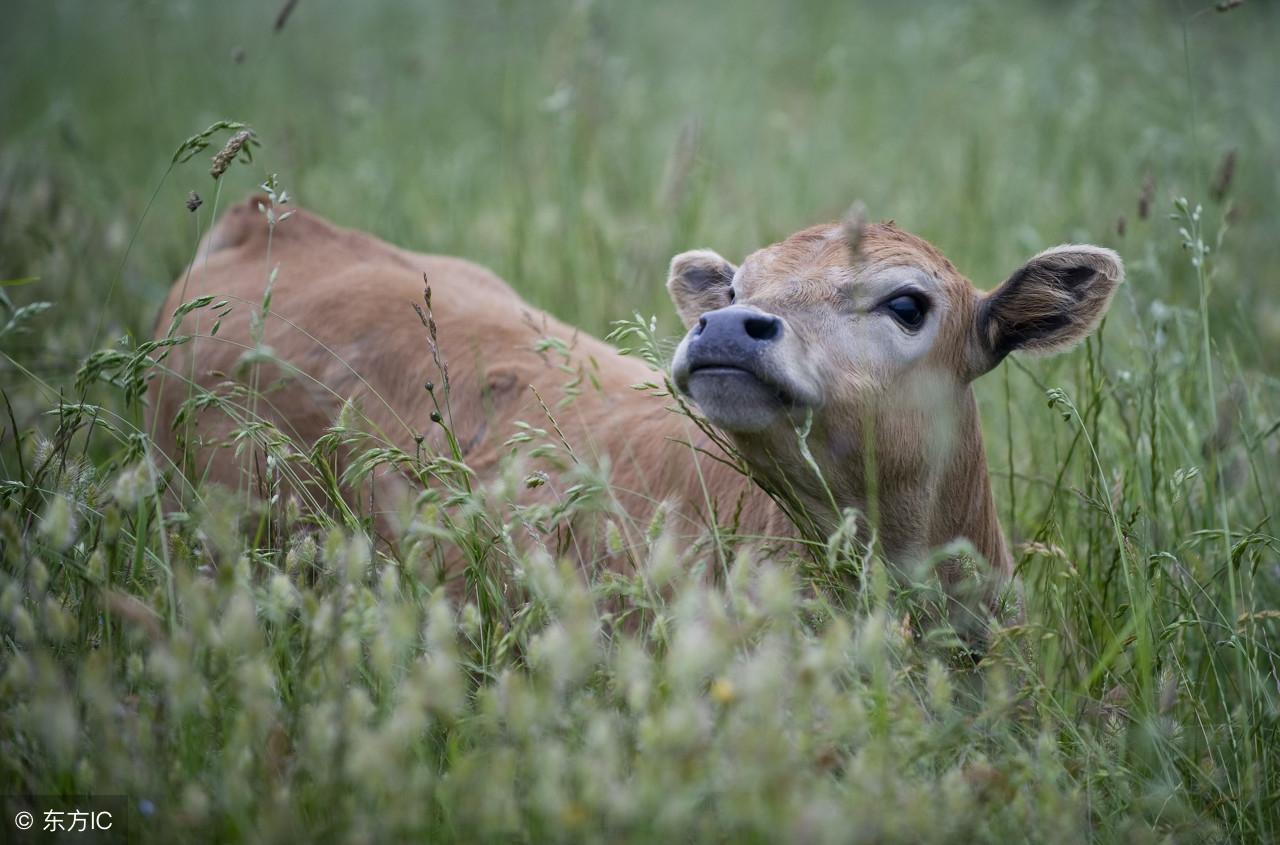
column 574, row 814
column 722, row 691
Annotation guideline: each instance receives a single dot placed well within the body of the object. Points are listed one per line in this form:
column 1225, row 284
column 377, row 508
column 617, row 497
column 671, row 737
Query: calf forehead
column 812, row 266
column 818, row 257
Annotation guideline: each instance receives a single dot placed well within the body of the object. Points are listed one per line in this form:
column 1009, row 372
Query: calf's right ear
column 699, row 281
column 1048, row 305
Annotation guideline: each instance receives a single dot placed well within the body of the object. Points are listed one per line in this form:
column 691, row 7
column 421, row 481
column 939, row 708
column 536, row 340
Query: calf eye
column 908, row 310
column 733, row 294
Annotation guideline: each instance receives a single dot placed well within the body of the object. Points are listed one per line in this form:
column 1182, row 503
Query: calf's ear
column 1048, row 305
column 699, row 282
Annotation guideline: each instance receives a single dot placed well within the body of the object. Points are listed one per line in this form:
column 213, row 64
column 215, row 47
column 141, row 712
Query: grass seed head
column 854, row 226
column 223, row 158
column 1147, row 196
column 1226, row 174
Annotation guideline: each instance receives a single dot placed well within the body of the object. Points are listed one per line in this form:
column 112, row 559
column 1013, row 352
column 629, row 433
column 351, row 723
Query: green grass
column 252, row 684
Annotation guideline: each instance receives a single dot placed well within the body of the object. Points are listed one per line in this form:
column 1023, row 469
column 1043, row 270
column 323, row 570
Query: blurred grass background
column 574, row 147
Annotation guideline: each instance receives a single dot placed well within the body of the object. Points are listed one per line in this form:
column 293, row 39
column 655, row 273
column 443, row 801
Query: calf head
column 870, row 348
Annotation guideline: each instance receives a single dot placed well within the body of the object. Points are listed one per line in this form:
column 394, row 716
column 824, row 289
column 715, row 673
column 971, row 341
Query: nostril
column 702, row 325
column 763, row 327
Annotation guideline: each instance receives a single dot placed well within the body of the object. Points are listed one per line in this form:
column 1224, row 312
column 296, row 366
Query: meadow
column 244, row 684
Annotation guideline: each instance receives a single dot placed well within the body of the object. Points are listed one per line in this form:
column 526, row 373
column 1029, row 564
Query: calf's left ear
column 1048, row 305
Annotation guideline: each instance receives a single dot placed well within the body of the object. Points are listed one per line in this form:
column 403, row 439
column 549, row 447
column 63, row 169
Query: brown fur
column 342, row 315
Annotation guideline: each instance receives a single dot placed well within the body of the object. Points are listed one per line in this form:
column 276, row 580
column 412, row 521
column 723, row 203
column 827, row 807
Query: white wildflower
column 58, row 525
column 133, row 484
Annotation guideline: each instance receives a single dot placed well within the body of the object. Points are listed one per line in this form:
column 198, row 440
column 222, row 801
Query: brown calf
column 870, row 347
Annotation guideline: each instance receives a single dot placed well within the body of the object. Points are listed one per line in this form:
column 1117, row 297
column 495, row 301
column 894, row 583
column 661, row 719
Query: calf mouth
column 745, row 378
column 736, row 396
